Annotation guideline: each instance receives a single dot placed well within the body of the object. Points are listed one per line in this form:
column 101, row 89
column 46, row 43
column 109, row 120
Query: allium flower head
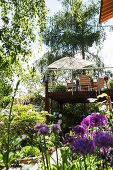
column 42, row 129
column 86, row 122
column 83, row 146
column 37, row 126
column 56, row 128
column 103, row 139
column 68, row 139
column 79, row 130
column 97, row 119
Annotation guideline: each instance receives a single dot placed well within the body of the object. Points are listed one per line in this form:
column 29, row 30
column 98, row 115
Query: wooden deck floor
column 77, row 96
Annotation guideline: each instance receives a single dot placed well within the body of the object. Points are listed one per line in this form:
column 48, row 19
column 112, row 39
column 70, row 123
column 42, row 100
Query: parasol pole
column 98, row 83
column 72, row 80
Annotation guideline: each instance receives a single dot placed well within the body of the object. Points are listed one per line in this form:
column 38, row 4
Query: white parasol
column 71, row 63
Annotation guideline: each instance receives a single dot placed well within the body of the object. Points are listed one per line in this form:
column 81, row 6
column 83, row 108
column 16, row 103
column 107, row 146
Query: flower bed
column 88, row 146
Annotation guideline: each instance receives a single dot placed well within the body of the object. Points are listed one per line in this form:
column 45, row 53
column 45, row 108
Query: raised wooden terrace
column 81, row 87
column 74, row 96
column 77, row 96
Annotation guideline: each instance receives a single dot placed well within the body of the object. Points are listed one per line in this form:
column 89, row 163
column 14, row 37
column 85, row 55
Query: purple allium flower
column 56, row 128
column 97, row 119
column 79, row 130
column 104, row 151
column 68, row 139
column 37, row 126
column 103, row 139
column 86, row 122
column 83, row 146
column 42, row 129
column 103, row 120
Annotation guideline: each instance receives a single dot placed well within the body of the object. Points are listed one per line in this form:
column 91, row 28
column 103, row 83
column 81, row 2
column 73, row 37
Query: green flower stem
column 42, row 154
column 43, row 160
column 56, row 148
column 45, row 153
column 56, row 155
column 9, row 125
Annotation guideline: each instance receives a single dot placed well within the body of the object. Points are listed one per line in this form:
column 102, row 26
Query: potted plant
column 111, row 83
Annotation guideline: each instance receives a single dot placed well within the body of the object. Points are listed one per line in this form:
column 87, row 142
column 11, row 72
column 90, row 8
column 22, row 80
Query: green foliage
column 74, row 113
column 20, row 21
column 73, row 30
column 5, row 101
column 5, row 92
column 29, row 151
column 111, row 83
column 19, row 108
column 60, row 87
column 24, row 120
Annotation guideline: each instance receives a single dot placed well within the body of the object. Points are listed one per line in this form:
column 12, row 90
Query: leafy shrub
column 29, row 151
column 111, row 83
column 24, row 120
column 60, row 87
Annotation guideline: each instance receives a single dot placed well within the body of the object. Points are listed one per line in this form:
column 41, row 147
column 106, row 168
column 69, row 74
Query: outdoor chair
column 71, row 86
column 100, row 83
column 85, row 83
column 95, row 85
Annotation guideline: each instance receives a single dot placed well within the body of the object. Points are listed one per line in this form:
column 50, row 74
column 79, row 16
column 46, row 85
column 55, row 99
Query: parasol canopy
column 71, row 63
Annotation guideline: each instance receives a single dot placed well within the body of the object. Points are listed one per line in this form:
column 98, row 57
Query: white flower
column 102, row 108
column 60, row 121
column 60, row 115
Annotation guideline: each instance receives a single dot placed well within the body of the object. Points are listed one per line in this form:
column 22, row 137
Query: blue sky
column 53, row 6
column 107, row 50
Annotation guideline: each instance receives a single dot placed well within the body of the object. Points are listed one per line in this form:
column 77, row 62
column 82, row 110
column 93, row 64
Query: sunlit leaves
column 21, row 21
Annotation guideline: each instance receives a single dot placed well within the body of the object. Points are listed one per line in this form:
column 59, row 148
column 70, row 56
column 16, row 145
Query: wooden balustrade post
column 46, row 97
